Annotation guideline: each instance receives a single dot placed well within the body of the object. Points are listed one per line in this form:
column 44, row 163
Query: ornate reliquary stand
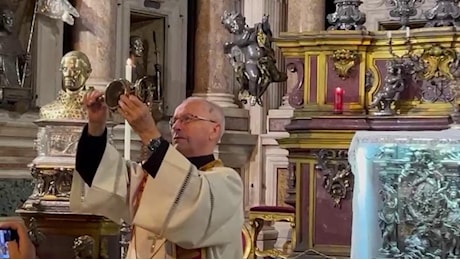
column 57, row 232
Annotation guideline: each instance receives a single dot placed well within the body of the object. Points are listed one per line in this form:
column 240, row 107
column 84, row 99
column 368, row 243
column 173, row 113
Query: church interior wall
column 265, row 173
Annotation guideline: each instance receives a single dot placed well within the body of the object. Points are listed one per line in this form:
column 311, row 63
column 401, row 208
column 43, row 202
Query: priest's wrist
column 147, row 135
column 95, row 129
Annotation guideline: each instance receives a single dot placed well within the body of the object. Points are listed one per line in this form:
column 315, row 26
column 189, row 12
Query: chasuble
column 178, row 207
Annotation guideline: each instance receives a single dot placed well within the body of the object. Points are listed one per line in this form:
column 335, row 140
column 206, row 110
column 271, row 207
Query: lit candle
column 407, row 32
column 127, row 140
column 389, row 35
column 338, row 102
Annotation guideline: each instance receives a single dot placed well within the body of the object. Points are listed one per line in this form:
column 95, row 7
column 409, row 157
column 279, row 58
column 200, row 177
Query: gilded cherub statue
column 252, row 56
column 76, row 69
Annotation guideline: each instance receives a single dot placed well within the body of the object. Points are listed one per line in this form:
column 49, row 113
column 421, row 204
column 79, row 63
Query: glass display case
column 406, row 195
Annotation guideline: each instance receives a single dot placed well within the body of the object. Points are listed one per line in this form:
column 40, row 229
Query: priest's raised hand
column 97, row 112
column 139, row 117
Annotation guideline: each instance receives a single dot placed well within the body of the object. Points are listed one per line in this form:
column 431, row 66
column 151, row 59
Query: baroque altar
column 357, row 80
column 406, row 194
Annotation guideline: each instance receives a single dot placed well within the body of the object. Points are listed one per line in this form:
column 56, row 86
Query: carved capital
column 344, row 60
column 336, row 171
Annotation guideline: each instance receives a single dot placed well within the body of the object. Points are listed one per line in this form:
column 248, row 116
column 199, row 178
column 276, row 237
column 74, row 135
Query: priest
column 181, row 201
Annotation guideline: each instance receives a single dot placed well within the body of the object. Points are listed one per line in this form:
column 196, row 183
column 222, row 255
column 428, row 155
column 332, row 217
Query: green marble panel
column 13, row 192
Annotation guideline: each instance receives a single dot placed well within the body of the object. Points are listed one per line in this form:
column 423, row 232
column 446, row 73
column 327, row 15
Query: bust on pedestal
column 59, row 129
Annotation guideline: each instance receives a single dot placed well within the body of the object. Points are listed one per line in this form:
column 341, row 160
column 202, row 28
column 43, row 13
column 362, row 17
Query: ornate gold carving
column 272, row 253
column 337, row 175
column 282, row 181
column 438, row 60
column 257, row 221
column 344, row 60
column 247, row 242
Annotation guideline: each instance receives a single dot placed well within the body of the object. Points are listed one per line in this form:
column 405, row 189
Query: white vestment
column 181, row 209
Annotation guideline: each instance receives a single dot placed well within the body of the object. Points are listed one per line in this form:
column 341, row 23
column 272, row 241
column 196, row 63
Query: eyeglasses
column 188, row 118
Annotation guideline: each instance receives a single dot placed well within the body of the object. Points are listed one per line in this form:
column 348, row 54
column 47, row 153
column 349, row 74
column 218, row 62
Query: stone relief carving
column 344, row 60
column 336, row 172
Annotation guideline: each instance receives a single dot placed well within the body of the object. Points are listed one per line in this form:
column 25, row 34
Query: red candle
column 338, row 102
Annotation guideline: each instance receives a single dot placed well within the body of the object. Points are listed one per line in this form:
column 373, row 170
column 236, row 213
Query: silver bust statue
column 137, row 56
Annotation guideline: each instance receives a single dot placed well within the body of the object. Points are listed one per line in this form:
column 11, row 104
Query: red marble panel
column 411, row 92
column 313, row 79
column 332, row 224
column 350, row 84
column 303, row 206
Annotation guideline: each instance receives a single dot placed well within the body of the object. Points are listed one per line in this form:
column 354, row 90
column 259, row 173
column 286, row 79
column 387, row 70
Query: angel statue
column 58, row 9
column 251, row 56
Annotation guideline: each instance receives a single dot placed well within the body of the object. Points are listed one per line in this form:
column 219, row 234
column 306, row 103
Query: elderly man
column 182, row 202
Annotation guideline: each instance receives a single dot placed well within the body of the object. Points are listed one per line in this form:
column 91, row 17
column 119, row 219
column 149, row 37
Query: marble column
column 277, row 11
column 303, row 16
column 94, row 33
column 306, row 15
column 213, row 73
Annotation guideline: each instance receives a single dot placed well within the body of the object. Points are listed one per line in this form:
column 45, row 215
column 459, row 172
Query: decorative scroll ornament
column 296, row 99
column 344, row 60
column 438, row 61
column 35, row 235
column 444, row 13
column 347, row 16
column 337, row 175
column 421, row 201
column 439, row 75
